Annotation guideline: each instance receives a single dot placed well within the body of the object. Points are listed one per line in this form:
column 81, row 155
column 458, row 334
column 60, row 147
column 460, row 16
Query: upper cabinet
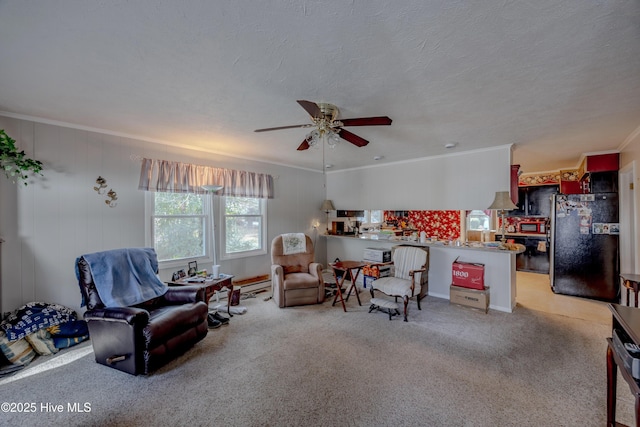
column 599, row 163
column 600, row 173
column 535, row 201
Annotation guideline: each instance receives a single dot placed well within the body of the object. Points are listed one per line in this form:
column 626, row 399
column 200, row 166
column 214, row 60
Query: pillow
column 18, row 352
column 41, row 342
column 72, row 328
column 64, row 342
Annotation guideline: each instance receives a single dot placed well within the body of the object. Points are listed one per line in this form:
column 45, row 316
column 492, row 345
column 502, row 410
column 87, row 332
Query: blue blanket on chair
column 125, row 277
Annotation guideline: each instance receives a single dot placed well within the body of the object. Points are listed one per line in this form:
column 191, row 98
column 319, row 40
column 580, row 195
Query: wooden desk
column 631, row 281
column 348, row 268
column 626, row 320
column 211, row 286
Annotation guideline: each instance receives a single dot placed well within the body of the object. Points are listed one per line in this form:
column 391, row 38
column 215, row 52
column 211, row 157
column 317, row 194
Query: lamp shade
column 503, row 202
column 327, row 205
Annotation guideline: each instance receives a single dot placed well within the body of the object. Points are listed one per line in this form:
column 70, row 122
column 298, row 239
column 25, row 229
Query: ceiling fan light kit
column 327, row 127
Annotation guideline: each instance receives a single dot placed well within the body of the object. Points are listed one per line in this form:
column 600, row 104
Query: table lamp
column 327, row 206
column 502, row 203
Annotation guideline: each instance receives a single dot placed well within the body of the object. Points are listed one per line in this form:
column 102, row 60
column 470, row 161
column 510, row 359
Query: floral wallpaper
column 539, row 179
column 440, row 224
column 527, row 179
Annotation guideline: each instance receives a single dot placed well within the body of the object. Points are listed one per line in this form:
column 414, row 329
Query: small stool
column 389, row 307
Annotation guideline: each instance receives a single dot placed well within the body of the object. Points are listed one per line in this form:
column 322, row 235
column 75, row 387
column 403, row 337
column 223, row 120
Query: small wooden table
column 626, row 320
column 211, row 286
column 631, row 281
column 348, row 268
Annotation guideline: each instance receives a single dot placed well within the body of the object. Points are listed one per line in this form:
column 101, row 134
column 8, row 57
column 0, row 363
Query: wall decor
column 101, row 187
column 112, row 197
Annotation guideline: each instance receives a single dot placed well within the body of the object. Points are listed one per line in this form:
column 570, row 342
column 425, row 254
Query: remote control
column 632, row 348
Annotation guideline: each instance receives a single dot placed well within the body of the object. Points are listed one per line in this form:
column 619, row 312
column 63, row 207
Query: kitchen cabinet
column 535, row 258
column 599, row 173
column 603, row 182
column 534, row 201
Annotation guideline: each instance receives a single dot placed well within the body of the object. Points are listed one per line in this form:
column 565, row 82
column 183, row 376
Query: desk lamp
column 502, row 203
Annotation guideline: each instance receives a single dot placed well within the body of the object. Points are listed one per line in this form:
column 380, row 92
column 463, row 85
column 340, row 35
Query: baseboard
column 253, row 284
column 255, row 287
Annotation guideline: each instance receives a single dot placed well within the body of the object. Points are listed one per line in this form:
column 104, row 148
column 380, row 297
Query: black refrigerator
column 584, row 258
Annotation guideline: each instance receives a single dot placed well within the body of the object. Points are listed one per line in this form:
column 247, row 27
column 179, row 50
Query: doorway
column 628, row 248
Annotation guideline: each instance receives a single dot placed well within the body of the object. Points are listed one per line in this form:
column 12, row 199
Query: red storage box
column 468, row 275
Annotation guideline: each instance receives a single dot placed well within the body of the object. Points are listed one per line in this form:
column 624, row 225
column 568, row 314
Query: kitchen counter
column 499, row 275
column 532, row 235
column 468, row 246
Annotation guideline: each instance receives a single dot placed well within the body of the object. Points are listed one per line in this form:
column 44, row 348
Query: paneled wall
column 58, row 217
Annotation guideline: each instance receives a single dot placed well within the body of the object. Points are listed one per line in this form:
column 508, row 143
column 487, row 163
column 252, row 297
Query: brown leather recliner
column 139, row 339
column 296, row 279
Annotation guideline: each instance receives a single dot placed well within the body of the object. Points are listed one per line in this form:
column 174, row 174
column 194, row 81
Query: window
column 372, row 217
column 180, row 227
column 478, row 220
column 243, row 222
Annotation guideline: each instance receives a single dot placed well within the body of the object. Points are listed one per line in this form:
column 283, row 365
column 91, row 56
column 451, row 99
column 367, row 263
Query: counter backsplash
column 441, row 224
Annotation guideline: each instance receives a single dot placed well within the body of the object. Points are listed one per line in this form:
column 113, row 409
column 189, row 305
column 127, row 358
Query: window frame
column 222, row 241
column 209, row 232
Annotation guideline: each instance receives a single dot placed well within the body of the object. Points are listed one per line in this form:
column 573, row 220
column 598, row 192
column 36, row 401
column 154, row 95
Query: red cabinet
column 603, row 162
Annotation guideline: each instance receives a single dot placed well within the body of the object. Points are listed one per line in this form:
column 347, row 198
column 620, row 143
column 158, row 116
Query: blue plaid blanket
column 34, row 316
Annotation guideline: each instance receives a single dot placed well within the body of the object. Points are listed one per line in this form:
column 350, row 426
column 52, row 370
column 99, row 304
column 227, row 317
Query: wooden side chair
column 411, row 278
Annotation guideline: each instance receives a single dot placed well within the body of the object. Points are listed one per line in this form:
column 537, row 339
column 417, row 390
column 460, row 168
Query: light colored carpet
column 317, row 365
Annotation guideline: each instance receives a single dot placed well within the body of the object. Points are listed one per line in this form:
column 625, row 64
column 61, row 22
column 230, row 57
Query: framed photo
column 177, row 275
column 598, row 228
column 614, row 228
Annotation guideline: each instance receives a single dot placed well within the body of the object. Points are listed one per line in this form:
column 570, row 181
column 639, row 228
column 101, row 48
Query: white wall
column 458, row 181
column 59, row 217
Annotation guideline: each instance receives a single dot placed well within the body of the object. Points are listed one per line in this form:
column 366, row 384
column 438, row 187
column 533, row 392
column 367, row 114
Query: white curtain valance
column 176, row 177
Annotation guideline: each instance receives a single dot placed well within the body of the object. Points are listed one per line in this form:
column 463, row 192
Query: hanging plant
column 14, row 163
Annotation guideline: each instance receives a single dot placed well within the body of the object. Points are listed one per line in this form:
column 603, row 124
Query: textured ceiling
column 555, row 78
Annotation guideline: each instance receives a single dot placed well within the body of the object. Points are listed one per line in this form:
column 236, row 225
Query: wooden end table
column 626, row 320
column 348, row 268
column 210, row 285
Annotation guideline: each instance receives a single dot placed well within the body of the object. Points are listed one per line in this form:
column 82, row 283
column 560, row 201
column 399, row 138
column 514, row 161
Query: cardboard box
column 376, row 271
column 467, row 275
column 377, row 255
column 373, row 272
column 470, row 297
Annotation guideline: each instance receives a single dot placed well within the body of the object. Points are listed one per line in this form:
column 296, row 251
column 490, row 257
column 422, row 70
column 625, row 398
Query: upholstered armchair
column 296, row 279
column 141, row 337
column 411, row 277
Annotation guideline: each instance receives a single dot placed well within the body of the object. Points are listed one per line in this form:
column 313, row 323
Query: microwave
column 536, row 227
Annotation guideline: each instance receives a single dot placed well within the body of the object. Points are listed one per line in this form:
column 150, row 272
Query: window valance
column 176, row 177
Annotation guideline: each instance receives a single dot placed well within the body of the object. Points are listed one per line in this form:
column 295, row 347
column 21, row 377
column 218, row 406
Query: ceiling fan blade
column 367, row 121
column 283, row 127
column 304, row 146
column 311, row 108
column 352, row 138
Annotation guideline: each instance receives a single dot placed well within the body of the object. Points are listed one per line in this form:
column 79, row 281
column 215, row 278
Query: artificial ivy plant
column 14, row 163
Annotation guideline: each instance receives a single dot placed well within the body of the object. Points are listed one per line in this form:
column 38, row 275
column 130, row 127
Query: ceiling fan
column 324, row 118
